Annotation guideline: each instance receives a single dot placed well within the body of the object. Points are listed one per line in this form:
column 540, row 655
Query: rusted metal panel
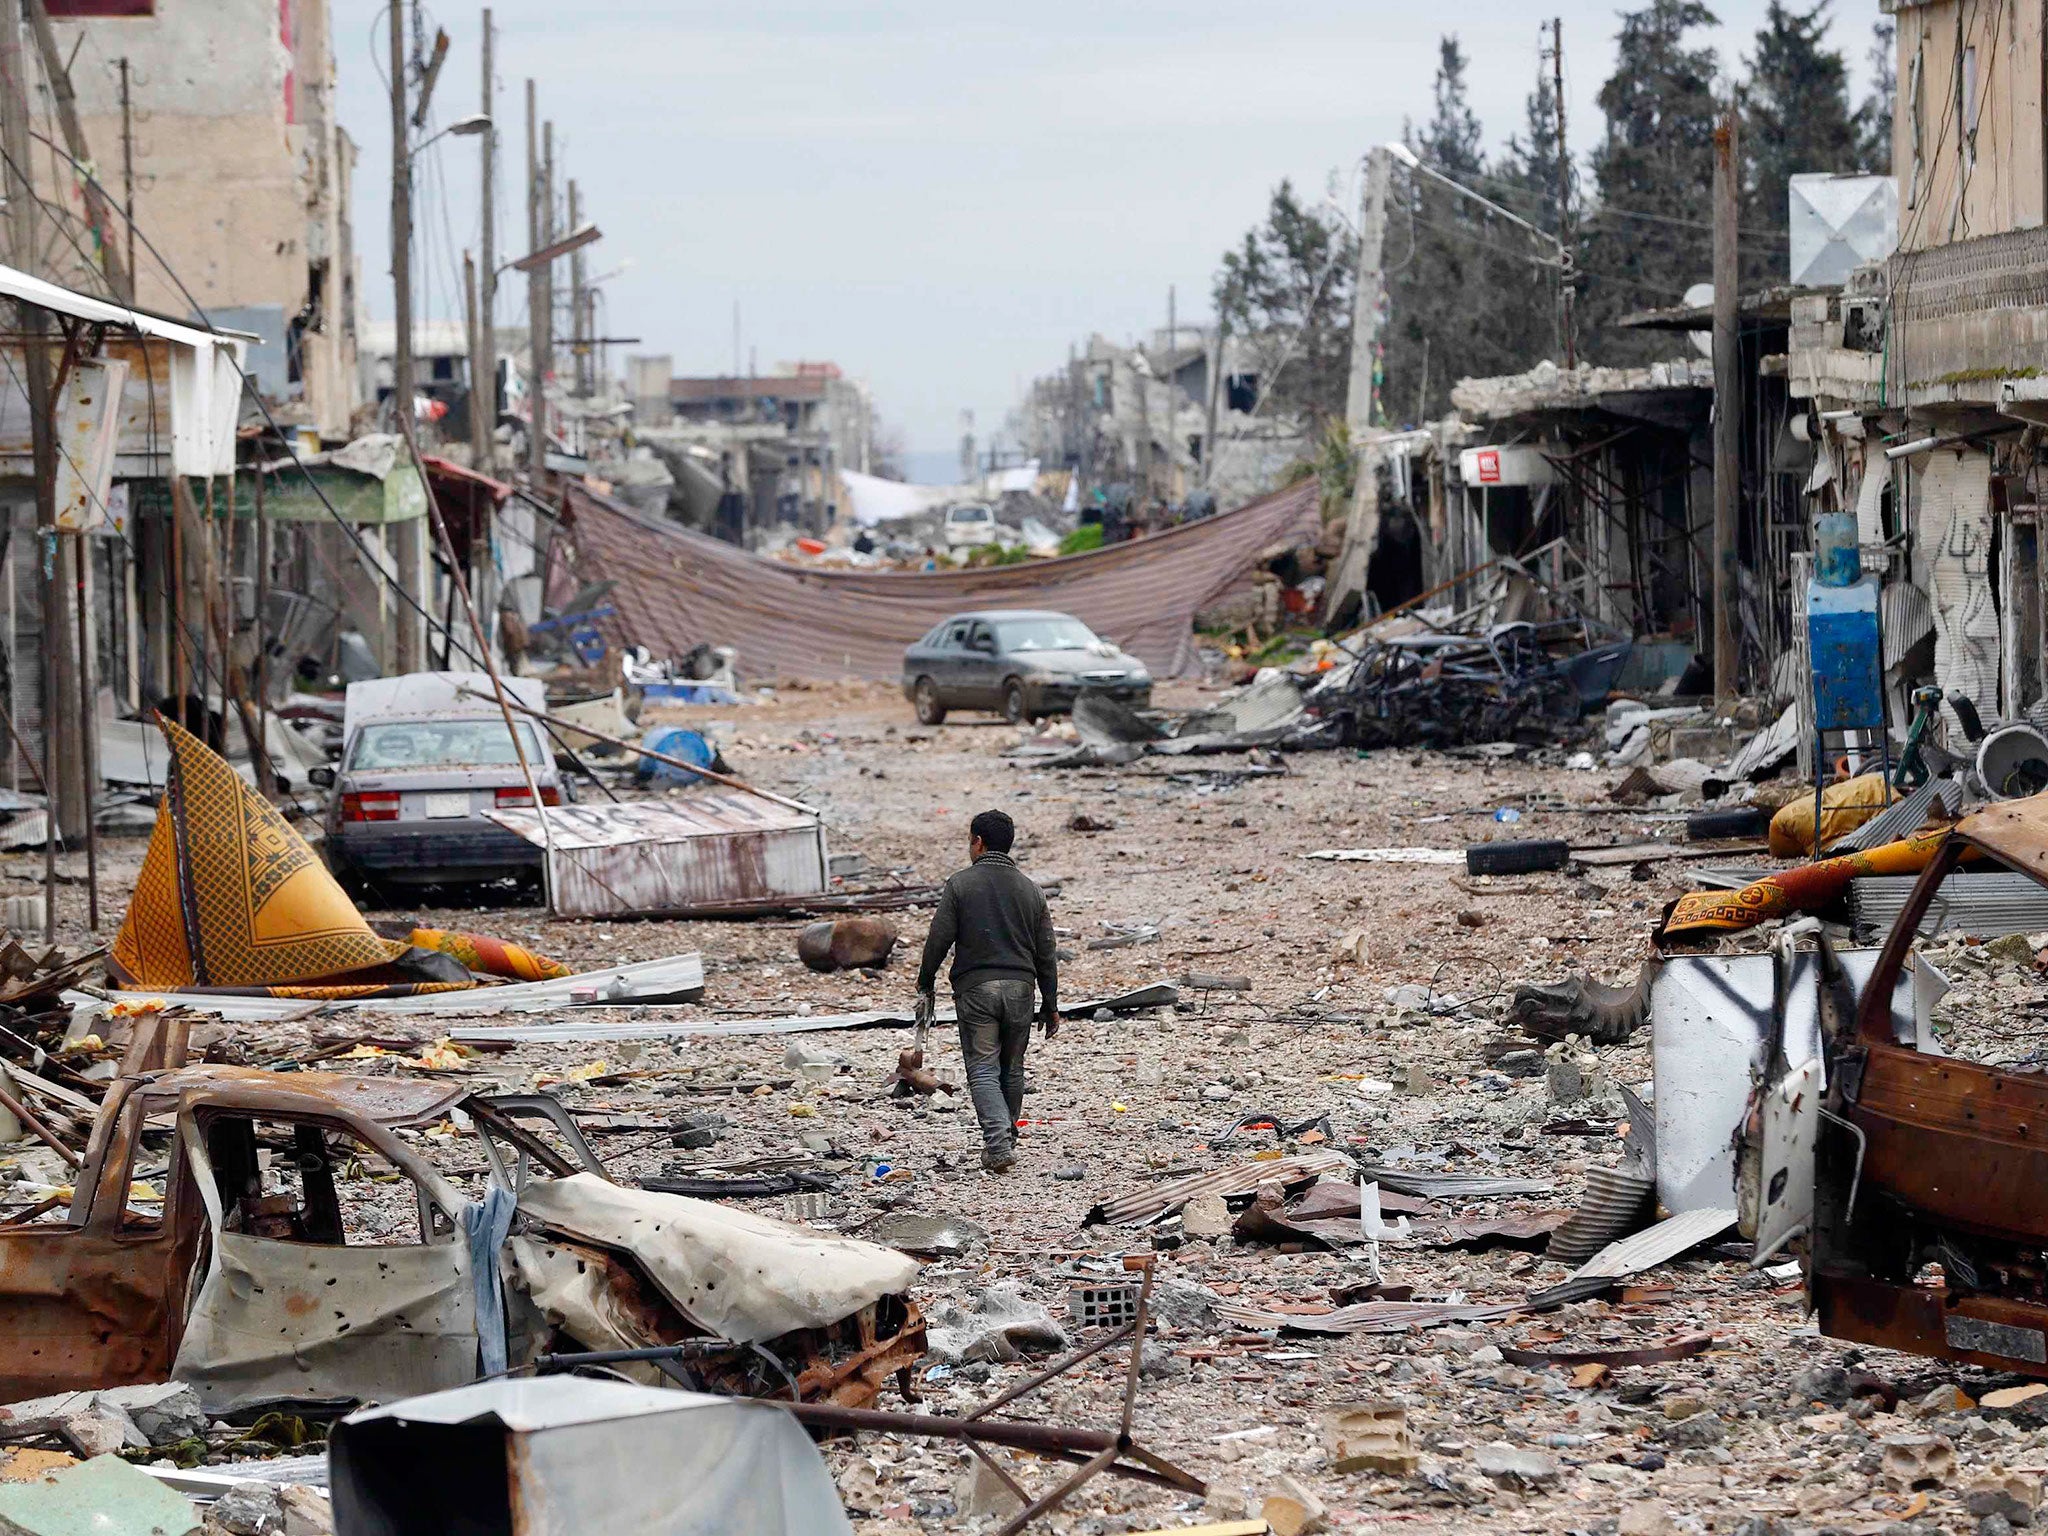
column 1966, row 1145
column 2014, row 831
column 1999, row 1333
column 677, row 588
column 99, row 1301
column 1238, row 1179
column 390, row 1101
column 659, row 855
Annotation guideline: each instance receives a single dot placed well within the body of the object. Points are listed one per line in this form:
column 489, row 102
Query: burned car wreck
column 236, row 1229
column 1917, row 1182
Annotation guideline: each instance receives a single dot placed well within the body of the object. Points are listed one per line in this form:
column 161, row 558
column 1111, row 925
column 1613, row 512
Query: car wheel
column 926, row 697
column 1013, row 702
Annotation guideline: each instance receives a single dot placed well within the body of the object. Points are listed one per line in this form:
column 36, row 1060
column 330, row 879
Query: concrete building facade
column 218, row 120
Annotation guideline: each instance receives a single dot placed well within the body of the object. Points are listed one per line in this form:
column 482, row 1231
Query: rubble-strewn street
column 1371, row 1000
column 1234, row 771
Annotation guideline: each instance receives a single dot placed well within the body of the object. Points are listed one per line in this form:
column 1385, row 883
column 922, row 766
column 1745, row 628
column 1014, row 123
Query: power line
column 362, row 548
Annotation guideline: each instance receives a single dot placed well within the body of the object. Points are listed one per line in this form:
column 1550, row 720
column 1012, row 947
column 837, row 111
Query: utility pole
column 1172, row 392
column 1727, row 408
column 1215, row 396
column 1568, row 250
column 536, row 452
column 1362, row 399
column 408, row 538
column 473, row 329
column 128, row 171
column 66, row 806
column 579, row 339
column 548, row 228
column 483, row 385
column 96, row 208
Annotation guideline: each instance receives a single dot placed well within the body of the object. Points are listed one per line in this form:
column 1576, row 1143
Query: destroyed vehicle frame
column 255, row 1297
column 1919, row 1181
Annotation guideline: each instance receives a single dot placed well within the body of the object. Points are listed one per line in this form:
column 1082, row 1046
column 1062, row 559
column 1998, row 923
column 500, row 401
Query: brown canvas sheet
column 677, row 588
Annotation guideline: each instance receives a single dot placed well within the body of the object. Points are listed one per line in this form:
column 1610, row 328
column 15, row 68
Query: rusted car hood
column 396, row 1102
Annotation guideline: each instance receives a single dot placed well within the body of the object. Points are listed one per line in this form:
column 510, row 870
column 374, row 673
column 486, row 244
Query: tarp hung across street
column 677, row 589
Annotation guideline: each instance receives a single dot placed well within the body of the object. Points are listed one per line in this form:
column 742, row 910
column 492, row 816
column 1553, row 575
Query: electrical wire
column 291, row 451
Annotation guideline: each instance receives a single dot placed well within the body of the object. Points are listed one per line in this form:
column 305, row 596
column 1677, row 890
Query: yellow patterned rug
column 231, row 899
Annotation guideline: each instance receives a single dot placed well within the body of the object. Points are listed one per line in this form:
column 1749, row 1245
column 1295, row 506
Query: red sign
column 1488, row 460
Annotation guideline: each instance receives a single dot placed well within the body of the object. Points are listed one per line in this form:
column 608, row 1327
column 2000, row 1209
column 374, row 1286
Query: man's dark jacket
column 995, row 920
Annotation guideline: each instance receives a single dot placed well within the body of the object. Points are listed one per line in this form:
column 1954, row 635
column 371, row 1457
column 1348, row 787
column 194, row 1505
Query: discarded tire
column 1516, row 858
column 1744, row 821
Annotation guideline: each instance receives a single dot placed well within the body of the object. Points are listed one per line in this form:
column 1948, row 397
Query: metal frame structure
column 1093, row 1451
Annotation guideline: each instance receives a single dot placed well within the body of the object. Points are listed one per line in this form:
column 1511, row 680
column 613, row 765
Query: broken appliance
column 1915, row 1180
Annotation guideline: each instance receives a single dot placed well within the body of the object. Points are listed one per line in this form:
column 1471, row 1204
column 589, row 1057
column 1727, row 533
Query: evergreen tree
column 1796, row 119
column 1286, row 291
column 1465, row 291
column 1649, row 238
column 1874, row 117
column 1528, row 172
column 1451, row 141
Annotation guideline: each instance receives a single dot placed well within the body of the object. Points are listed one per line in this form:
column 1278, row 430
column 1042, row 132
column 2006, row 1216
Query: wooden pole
column 536, row 306
column 483, row 402
column 1727, row 409
column 33, row 324
column 408, row 538
column 88, row 713
column 266, row 775
column 1568, row 256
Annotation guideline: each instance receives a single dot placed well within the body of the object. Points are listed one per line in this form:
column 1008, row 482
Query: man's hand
column 927, row 1010
column 1050, row 1018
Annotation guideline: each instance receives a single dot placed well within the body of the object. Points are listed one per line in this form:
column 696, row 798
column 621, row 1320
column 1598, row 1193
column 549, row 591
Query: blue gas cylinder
column 1847, row 655
column 678, row 742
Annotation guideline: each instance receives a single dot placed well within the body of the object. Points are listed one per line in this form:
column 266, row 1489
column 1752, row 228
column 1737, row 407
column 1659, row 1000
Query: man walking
column 995, row 921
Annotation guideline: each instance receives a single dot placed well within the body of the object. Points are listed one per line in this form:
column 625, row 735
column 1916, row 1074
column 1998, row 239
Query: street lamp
column 1413, row 162
column 462, row 128
column 547, row 255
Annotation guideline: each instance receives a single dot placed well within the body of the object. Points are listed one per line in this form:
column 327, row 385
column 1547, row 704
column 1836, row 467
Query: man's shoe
column 998, row 1162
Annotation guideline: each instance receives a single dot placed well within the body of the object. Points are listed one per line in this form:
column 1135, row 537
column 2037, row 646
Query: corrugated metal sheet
column 1614, row 1199
column 1907, row 618
column 1238, row 1179
column 651, row 856
column 677, row 588
column 1367, row 1316
column 1654, row 1245
column 679, row 978
column 610, row 825
column 1955, row 542
column 1984, row 906
column 1453, row 1186
column 591, row 1031
column 1903, row 819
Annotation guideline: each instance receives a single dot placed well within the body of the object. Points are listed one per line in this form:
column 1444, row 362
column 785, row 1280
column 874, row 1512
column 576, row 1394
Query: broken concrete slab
column 1370, row 1437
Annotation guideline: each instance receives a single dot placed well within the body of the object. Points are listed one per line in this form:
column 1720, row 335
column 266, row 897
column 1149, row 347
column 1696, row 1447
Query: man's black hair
column 996, row 831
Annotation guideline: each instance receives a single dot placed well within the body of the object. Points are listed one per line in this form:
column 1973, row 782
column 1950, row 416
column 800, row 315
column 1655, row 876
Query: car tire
column 1014, row 709
column 925, row 698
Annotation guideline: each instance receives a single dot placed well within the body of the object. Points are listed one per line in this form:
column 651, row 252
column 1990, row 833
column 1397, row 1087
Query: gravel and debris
column 1375, row 991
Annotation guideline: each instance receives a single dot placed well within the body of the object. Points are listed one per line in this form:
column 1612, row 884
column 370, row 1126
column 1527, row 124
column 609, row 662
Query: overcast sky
column 937, row 197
